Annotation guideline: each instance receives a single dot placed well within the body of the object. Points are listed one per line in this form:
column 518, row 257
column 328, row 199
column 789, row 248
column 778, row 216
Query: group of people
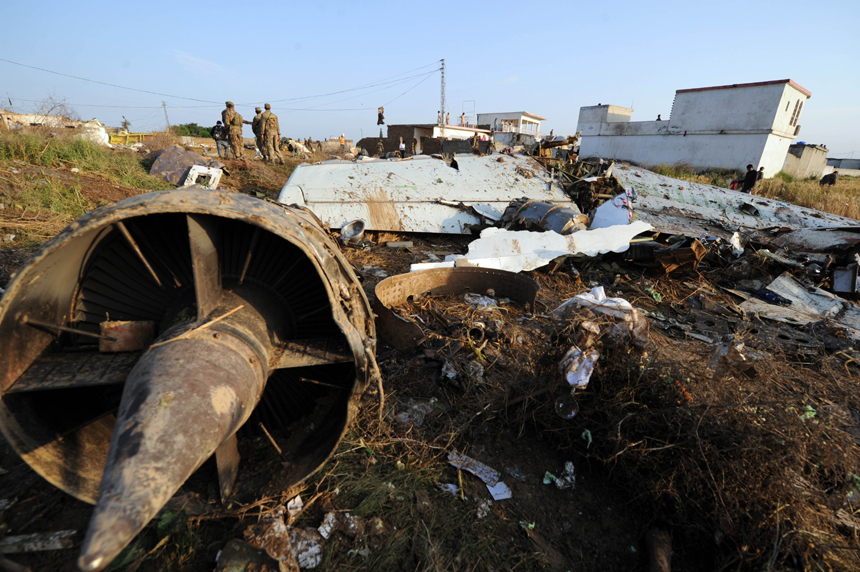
column 267, row 133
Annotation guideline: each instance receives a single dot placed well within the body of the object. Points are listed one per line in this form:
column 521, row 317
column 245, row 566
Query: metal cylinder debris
column 257, row 318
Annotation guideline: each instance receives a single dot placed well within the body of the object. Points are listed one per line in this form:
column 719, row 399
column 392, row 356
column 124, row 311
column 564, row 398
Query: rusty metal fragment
column 405, row 334
column 254, row 300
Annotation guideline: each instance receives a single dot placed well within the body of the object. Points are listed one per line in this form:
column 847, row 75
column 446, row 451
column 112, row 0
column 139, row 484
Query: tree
column 126, row 124
column 191, row 130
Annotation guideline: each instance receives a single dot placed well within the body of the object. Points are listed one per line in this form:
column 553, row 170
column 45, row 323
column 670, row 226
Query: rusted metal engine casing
column 227, row 280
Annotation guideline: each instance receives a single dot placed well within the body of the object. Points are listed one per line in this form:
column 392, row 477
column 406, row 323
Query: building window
column 794, row 113
column 787, row 103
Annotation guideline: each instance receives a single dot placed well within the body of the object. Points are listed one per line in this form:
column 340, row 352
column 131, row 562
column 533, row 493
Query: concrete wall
column 735, row 109
column 710, row 128
column 804, row 161
column 842, row 172
column 717, row 151
column 844, row 163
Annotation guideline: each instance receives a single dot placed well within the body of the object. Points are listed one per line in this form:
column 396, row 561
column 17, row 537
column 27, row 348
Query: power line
column 408, row 90
column 390, row 81
column 398, row 82
column 372, row 84
column 105, row 83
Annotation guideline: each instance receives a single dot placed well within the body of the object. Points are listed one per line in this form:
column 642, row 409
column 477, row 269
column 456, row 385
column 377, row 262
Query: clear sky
column 545, row 57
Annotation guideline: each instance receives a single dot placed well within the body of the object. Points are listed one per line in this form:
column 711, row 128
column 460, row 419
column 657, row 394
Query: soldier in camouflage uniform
column 257, row 128
column 271, row 134
column 227, row 115
column 235, row 127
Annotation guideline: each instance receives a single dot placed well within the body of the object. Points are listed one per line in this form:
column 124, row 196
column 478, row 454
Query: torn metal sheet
column 405, row 334
column 820, row 239
column 422, row 194
column 681, row 207
column 37, row 542
column 518, row 251
column 808, row 305
column 175, row 163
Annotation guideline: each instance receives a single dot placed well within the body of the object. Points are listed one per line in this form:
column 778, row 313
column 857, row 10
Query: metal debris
column 404, row 334
column 175, row 163
column 204, row 274
column 407, row 196
column 37, row 542
column 518, row 251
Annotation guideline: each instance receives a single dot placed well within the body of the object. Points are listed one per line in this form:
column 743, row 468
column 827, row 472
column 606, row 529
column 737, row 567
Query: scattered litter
column 474, row 372
column 295, row 506
column 175, row 163
column 374, row 271
column 479, row 301
column 75, row 170
column 292, row 547
column 567, row 480
column 500, row 491
column 737, row 247
column 654, row 294
column 399, row 244
column 549, row 478
column 352, row 232
column 415, row 413
column 577, row 365
column 489, row 475
column 586, row 436
column 632, row 326
column 206, row 177
column 516, row 473
column 328, row 525
column 484, row 508
column 448, row 488
column 448, row 370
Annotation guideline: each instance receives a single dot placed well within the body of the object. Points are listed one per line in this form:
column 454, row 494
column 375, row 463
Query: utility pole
column 164, row 105
column 443, row 90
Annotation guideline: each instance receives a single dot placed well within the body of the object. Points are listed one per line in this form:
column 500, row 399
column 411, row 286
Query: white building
column 727, row 126
column 512, row 122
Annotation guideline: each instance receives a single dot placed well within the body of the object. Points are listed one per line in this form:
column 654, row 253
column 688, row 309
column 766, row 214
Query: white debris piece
column 568, row 479
column 522, row 250
column 294, row 506
column 198, row 175
column 487, row 474
column 479, row 301
column 737, row 247
column 577, row 365
column 500, row 491
column 616, row 211
column 328, row 525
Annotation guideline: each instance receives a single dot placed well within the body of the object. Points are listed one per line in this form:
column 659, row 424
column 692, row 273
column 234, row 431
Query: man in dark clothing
column 749, row 179
column 829, row 179
column 760, row 174
column 219, row 133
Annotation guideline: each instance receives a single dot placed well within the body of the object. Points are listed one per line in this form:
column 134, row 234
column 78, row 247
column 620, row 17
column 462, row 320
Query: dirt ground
column 749, row 464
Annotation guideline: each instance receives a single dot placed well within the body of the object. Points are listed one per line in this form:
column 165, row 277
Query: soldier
column 271, row 135
column 439, row 118
column 227, row 114
column 380, row 148
column 257, row 128
column 235, row 127
column 447, row 119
